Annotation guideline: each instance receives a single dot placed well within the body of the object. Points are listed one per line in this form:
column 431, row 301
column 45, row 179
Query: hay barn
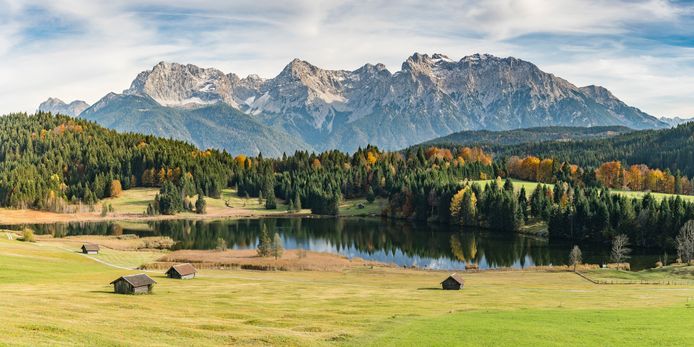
column 453, row 282
column 133, row 284
column 90, row 248
column 181, row 271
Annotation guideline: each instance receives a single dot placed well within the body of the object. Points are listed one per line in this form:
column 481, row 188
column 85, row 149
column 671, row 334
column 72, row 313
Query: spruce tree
column 297, row 202
column 277, row 248
column 264, row 243
column 200, row 204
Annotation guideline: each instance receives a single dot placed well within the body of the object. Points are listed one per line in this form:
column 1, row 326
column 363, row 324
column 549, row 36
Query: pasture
column 54, row 295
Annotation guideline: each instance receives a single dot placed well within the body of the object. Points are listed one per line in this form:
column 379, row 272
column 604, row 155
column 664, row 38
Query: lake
column 431, row 246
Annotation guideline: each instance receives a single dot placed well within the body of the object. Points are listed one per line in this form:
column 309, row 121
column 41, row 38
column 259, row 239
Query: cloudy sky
column 643, row 51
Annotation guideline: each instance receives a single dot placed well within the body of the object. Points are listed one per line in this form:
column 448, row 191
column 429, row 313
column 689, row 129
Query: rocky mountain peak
column 173, row 84
column 55, row 105
column 598, row 92
column 433, row 95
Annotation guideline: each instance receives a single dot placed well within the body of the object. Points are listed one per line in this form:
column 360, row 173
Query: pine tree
column 277, row 248
column 297, row 202
column 370, row 196
column 264, row 243
column 200, row 204
column 170, row 201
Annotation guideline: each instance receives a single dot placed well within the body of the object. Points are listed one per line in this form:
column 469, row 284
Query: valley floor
column 52, row 295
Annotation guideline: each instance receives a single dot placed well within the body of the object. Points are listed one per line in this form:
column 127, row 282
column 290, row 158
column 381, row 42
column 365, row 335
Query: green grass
column 657, row 196
column 662, row 327
column 350, row 207
column 55, row 297
column 667, row 273
column 136, row 200
column 517, row 184
column 531, row 186
column 130, row 259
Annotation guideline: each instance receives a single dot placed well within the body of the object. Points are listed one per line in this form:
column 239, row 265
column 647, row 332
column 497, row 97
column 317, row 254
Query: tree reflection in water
column 399, row 242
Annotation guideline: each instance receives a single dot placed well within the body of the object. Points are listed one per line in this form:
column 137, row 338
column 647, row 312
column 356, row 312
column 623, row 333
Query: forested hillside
column 47, row 161
column 671, row 149
column 529, row 135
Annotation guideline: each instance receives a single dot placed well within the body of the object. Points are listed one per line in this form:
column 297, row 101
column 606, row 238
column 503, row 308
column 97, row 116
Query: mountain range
column 306, row 107
column 56, row 105
column 675, row 121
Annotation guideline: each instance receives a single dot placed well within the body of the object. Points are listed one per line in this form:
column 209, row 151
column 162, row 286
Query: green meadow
column 52, row 295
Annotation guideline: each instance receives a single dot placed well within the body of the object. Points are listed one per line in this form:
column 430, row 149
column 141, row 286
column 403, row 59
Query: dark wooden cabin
column 90, row 248
column 133, row 284
column 181, row 272
column 453, row 282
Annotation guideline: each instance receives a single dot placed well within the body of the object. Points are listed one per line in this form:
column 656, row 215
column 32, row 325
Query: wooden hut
column 181, row 271
column 90, row 248
column 453, row 282
column 133, row 284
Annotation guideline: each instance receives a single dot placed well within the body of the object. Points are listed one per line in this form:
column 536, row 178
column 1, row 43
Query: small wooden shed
column 133, row 284
column 90, row 248
column 453, row 282
column 181, row 271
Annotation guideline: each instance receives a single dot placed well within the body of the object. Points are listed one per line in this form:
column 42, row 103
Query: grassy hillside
column 369, row 306
column 530, row 188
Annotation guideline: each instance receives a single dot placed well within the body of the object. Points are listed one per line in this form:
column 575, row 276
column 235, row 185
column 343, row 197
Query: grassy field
column 667, row 273
column 530, row 188
column 517, row 184
column 54, row 296
column 135, row 201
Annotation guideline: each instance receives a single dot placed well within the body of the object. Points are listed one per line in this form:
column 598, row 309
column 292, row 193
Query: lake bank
column 132, row 204
column 406, row 244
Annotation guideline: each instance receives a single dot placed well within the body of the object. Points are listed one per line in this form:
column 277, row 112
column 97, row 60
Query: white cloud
column 586, row 42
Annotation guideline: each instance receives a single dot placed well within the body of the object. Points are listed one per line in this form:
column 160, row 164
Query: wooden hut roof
column 90, row 247
column 456, row 278
column 138, row 280
column 183, row 269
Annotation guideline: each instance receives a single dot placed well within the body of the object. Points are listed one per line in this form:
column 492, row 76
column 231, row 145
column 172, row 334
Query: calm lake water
column 399, row 242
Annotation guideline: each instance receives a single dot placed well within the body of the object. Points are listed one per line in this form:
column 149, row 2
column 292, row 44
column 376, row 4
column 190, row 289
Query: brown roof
column 456, row 278
column 138, row 280
column 90, row 247
column 183, row 269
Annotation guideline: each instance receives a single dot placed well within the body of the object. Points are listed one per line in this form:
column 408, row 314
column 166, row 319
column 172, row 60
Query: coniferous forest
column 48, row 162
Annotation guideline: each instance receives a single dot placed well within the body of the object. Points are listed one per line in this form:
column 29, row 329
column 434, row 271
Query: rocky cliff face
column 187, row 86
column 430, row 96
column 55, row 105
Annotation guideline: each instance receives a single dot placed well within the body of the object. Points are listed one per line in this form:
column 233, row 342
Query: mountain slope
column 674, row 121
column 57, row 106
column 528, row 135
column 214, row 126
column 671, row 149
column 430, row 97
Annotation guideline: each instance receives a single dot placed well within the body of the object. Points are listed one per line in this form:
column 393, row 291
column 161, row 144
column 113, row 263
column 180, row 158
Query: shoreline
column 23, row 217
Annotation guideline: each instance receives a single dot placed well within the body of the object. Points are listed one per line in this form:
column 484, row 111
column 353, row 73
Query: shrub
column 28, row 235
column 116, row 188
column 221, row 245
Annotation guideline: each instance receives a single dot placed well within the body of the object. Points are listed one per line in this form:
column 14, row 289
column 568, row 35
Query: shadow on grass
column 430, row 288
